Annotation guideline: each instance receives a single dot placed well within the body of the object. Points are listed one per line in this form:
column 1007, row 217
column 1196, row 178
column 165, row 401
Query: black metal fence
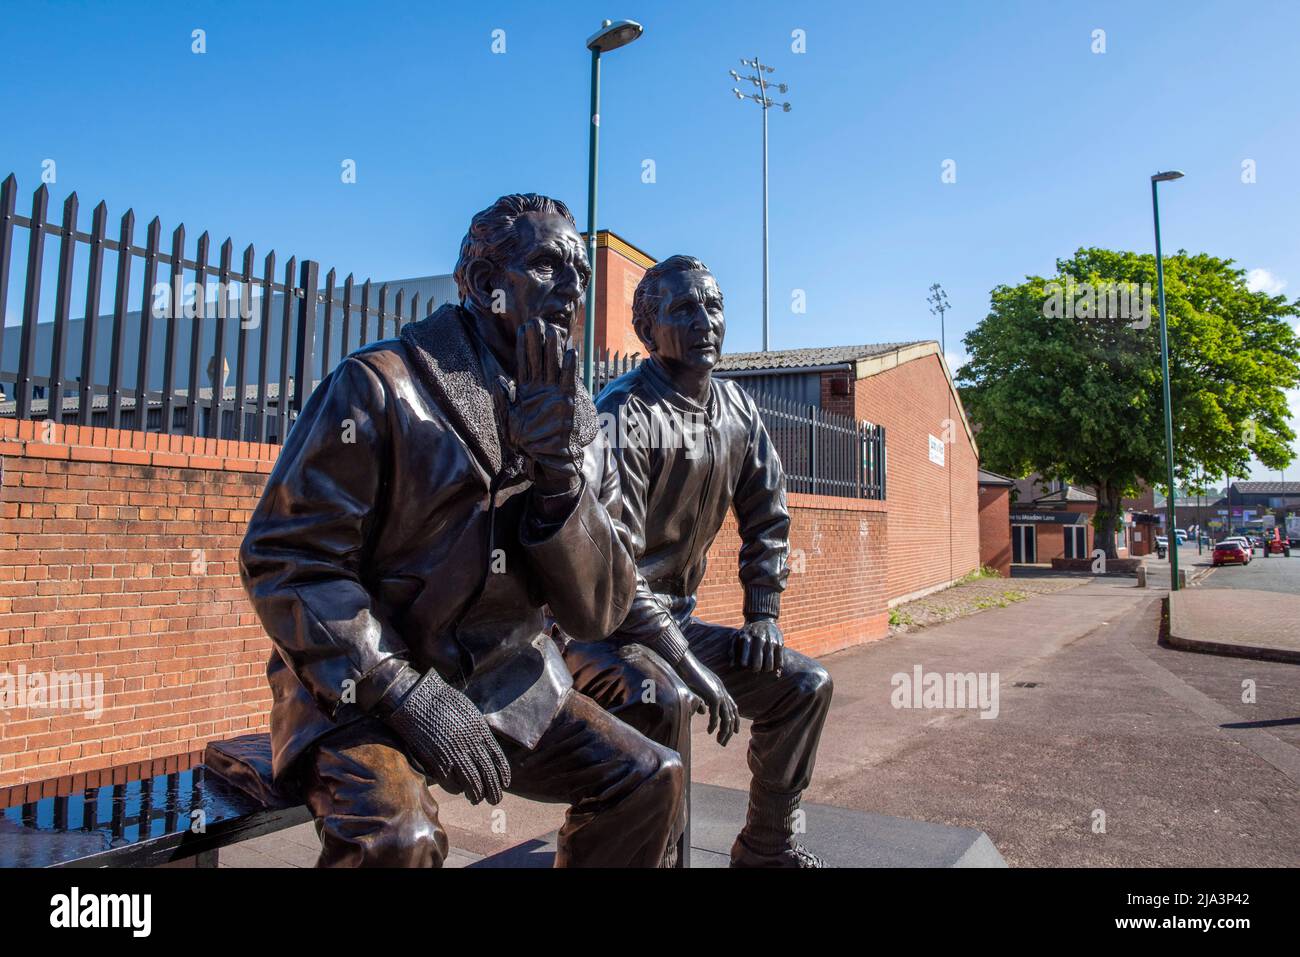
column 164, row 366
column 823, row 453
column 156, row 373
column 609, row 365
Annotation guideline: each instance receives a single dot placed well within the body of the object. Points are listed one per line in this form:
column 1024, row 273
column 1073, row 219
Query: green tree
column 1060, row 384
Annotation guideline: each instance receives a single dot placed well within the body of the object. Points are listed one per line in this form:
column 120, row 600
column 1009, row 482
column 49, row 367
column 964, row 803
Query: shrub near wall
column 120, row 561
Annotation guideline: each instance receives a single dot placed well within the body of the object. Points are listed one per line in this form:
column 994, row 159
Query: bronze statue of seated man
column 437, row 493
column 690, row 447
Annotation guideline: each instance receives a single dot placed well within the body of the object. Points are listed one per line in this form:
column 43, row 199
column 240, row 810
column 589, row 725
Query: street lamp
column 765, row 104
column 611, row 35
column 1171, row 533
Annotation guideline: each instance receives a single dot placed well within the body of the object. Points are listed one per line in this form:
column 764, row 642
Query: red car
column 1230, row 553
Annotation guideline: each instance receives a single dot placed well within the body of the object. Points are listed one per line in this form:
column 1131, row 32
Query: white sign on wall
column 936, row 450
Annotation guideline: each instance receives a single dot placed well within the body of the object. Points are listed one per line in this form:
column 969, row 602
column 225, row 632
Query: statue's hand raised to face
column 543, row 413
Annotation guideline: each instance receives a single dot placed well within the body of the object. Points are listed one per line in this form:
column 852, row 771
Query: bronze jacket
column 394, row 534
column 681, row 467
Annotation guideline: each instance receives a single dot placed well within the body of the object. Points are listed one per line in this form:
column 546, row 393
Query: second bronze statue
column 690, row 448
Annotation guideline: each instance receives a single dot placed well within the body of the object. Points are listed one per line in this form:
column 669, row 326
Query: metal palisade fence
column 823, row 453
column 165, row 366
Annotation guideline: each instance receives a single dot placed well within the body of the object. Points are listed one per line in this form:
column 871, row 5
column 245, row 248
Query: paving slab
column 1241, row 622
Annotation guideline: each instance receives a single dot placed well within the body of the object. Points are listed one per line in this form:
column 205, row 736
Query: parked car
column 1181, row 535
column 1230, row 552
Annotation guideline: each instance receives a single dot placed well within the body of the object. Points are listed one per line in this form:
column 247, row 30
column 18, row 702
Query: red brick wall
column 101, row 531
column 835, row 595
column 912, row 401
column 120, row 559
column 995, row 528
column 837, row 393
column 1051, row 537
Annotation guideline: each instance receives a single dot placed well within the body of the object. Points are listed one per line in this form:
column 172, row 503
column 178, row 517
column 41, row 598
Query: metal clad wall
column 802, row 387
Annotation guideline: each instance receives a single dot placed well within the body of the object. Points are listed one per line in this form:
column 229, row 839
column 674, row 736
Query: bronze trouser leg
column 372, row 805
column 632, row 683
column 624, row 791
column 638, row 687
column 788, row 711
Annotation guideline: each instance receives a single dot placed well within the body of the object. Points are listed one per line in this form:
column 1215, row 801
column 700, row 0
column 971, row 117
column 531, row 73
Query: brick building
column 1051, row 519
column 995, row 521
column 931, row 456
column 619, row 267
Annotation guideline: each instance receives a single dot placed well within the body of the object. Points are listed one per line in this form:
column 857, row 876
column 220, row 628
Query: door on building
column 1024, row 547
column 1076, row 541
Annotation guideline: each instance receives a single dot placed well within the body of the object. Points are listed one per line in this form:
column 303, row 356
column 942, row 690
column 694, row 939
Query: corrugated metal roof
column 807, row 358
column 1267, row 488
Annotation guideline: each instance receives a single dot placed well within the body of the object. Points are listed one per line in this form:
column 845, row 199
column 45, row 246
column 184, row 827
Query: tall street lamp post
column 1171, row 534
column 611, row 35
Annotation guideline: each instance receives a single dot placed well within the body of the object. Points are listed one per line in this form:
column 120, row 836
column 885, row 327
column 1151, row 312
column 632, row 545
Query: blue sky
column 1053, row 143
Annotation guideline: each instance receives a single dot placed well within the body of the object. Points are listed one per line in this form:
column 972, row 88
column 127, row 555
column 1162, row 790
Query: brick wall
column 837, row 393
column 913, row 402
column 121, row 560
column 995, row 528
column 835, row 595
column 1051, row 537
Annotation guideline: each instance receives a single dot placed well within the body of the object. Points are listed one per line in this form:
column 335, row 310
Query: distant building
column 1053, row 519
column 995, row 521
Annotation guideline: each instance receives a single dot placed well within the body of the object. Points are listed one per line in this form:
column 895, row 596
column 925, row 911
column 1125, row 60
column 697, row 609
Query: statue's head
column 677, row 314
column 522, row 258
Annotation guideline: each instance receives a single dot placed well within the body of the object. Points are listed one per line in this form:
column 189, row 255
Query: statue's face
column 545, row 277
column 689, row 326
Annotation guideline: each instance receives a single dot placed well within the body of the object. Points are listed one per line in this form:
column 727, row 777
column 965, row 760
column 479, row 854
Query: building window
column 1023, row 545
column 1076, row 541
